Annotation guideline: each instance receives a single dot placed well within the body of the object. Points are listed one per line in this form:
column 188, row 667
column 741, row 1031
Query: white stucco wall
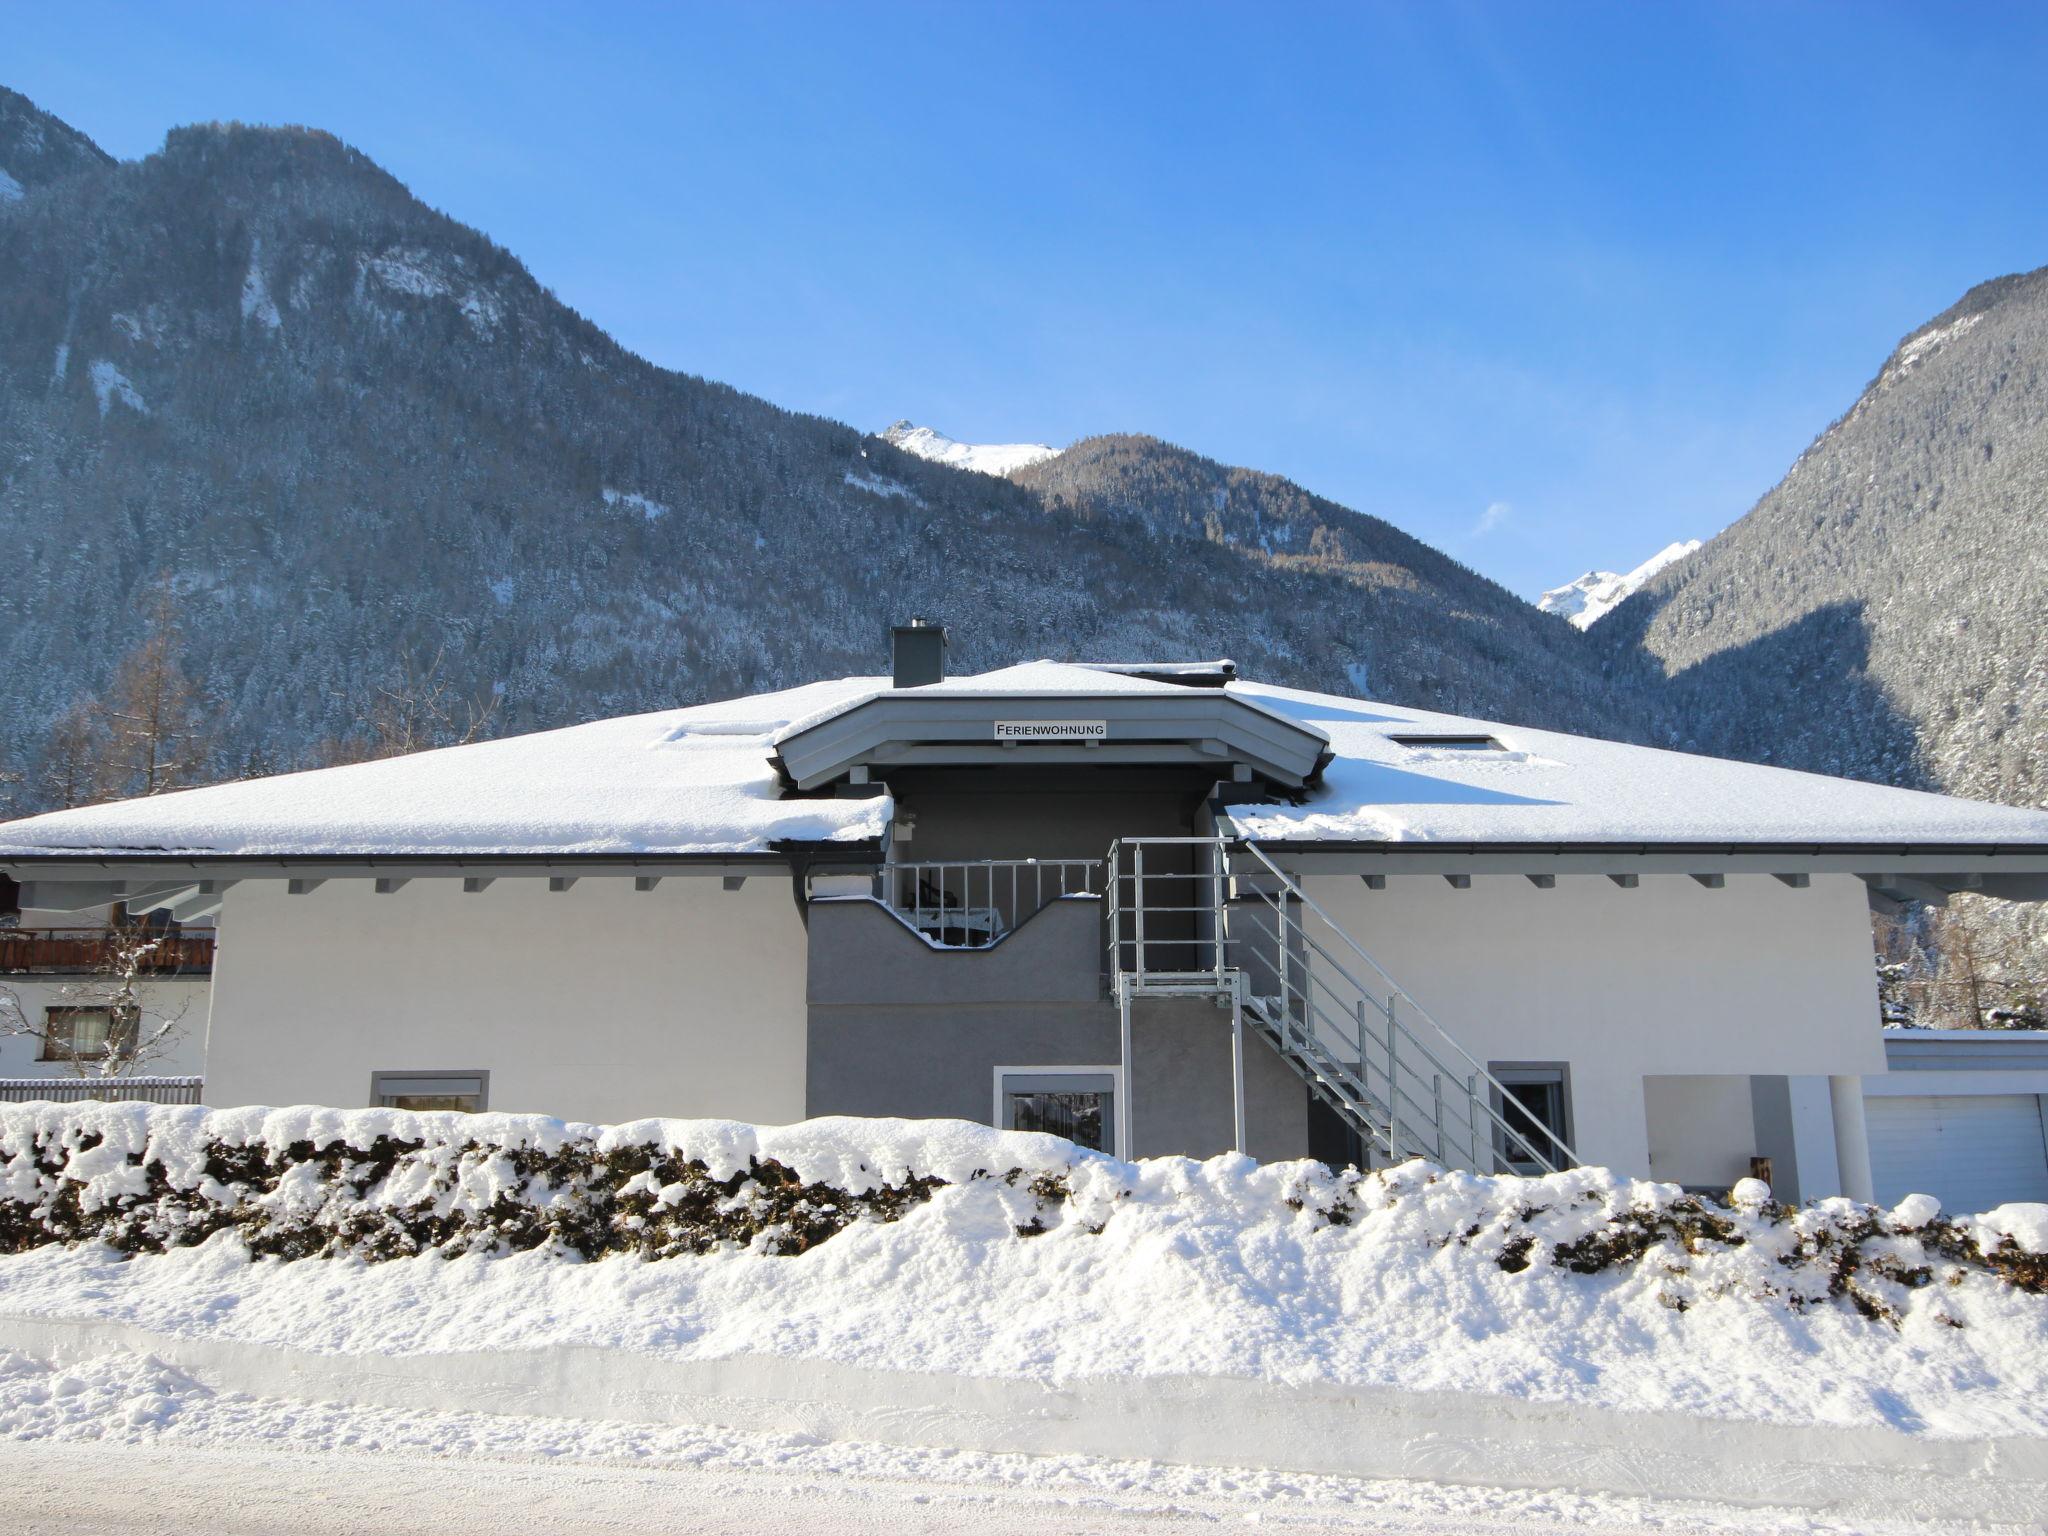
column 598, row 1003
column 184, row 1053
column 1668, row 979
column 1702, row 1130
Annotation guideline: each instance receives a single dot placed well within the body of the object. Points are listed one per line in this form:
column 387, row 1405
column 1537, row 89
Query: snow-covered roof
column 1027, row 680
column 702, row 781
column 1151, row 719
column 679, row 781
column 1547, row 788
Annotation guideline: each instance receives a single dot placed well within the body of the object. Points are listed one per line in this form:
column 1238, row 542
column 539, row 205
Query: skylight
column 1449, row 743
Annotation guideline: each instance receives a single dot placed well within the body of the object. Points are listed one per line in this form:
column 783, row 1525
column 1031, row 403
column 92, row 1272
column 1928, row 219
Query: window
column 1449, row 743
column 468, row 1091
column 82, row 1033
column 1536, row 1104
column 1078, row 1103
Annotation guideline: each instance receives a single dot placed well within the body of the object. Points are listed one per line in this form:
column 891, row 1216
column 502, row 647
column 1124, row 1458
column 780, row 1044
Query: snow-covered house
column 62, row 975
column 1158, row 908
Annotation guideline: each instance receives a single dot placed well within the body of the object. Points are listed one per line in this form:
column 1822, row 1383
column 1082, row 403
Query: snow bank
column 939, row 1246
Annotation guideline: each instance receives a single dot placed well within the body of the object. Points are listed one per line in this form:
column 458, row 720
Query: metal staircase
column 1208, row 917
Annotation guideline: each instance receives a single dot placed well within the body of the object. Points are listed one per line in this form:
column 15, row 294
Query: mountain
column 983, row 458
column 1883, row 612
column 1416, row 621
column 354, row 441
column 1597, row 593
column 36, row 149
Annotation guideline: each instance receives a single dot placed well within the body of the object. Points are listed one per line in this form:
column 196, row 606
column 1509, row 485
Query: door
column 1970, row 1151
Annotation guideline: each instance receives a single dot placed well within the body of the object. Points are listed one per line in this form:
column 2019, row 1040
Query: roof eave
column 1676, row 856
column 141, row 863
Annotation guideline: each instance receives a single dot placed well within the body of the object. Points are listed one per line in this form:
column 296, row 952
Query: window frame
column 1113, row 1126
column 1512, row 1074
column 384, row 1086
column 69, row 1051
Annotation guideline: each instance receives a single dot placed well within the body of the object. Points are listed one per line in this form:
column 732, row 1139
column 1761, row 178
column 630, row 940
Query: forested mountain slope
column 38, row 148
column 1883, row 612
column 1418, row 622
column 354, row 434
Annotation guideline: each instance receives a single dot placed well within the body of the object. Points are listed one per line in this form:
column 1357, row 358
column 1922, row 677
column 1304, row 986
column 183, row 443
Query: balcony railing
column 72, row 1090
column 83, row 951
column 971, row 903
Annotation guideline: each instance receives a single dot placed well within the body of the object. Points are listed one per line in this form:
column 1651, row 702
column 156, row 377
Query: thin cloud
column 1496, row 513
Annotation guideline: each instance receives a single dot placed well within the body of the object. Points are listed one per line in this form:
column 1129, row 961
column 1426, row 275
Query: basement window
column 1078, row 1103
column 1449, row 743
column 1535, row 1102
column 467, row 1091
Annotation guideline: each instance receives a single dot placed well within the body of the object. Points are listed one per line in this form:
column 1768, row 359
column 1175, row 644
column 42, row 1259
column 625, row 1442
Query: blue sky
column 1548, row 286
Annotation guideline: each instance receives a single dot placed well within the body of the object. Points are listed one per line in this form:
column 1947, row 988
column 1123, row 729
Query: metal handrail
column 1312, row 1020
column 1316, row 979
column 1394, row 989
column 1216, row 877
column 1431, row 1115
column 936, row 897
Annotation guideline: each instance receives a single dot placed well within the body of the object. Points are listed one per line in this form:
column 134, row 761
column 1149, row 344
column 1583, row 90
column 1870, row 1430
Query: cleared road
column 74, row 1488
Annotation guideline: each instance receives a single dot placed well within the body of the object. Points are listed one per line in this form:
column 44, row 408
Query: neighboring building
column 59, row 970
column 1158, row 908
column 1959, row 1115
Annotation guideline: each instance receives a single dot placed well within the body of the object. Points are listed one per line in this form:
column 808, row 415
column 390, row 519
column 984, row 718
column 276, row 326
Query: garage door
column 1969, row 1151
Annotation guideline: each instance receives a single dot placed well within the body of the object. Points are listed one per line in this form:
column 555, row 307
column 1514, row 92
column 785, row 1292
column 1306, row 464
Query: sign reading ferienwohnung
column 1052, row 730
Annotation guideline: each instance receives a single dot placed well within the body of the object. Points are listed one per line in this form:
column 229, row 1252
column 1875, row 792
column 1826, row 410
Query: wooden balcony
column 84, row 951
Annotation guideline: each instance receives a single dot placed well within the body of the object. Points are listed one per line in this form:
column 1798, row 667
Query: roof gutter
column 2008, row 851
column 146, row 865
column 1894, row 872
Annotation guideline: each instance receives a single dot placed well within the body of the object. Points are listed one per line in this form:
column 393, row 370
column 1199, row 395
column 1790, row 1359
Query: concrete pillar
column 1818, row 1167
column 1852, row 1140
column 1795, row 1129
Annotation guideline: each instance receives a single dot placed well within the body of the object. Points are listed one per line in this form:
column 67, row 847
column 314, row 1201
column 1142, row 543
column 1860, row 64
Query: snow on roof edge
column 700, row 782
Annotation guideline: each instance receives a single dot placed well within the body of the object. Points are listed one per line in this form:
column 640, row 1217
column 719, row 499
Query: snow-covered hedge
column 384, row 1184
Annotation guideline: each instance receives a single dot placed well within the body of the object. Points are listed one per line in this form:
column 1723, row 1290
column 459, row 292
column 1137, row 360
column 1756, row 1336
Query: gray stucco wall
column 896, row 1028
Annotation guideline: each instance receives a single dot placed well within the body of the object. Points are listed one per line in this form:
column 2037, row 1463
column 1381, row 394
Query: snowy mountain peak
column 1598, row 593
column 984, row 458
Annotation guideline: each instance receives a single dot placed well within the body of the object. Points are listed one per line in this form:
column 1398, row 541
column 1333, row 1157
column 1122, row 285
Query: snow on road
column 124, row 1444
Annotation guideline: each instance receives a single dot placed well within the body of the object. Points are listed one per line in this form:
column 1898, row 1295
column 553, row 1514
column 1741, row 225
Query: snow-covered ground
column 983, row 458
column 1028, row 1259
column 1598, row 593
column 944, row 1287
column 124, row 1444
